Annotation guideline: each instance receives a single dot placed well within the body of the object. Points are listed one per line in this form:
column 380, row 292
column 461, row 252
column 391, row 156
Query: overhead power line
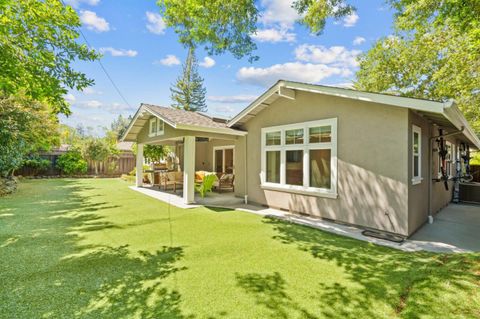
column 102, row 66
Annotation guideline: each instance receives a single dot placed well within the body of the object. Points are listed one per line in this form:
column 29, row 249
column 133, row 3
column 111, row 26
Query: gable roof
column 444, row 114
column 178, row 119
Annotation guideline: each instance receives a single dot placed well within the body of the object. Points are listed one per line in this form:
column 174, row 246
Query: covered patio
column 201, row 144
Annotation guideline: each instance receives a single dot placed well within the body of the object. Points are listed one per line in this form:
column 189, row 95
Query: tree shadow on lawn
column 408, row 283
column 269, row 291
column 45, row 272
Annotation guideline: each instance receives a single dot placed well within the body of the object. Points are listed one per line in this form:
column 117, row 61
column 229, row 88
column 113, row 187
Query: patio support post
column 189, row 169
column 139, row 164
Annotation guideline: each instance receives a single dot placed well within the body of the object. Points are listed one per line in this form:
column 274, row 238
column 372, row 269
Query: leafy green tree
column 434, row 53
column 120, row 125
column 153, row 153
column 37, row 47
column 220, row 26
column 96, row 150
column 26, row 127
column 188, row 93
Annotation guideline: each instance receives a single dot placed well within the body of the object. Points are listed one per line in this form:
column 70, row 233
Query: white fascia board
column 405, row 102
column 172, row 124
column 255, row 103
column 455, row 116
column 411, row 103
column 134, row 119
column 218, row 130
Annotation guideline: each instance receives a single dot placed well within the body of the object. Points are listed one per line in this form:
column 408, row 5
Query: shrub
column 72, row 163
column 37, row 165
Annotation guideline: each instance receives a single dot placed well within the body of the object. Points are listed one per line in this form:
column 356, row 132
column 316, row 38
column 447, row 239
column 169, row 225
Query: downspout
column 430, row 164
column 246, row 170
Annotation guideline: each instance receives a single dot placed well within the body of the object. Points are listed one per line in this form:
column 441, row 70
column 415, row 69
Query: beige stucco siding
column 372, row 161
column 418, row 194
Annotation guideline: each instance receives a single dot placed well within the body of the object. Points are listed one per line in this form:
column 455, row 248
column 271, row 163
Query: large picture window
column 301, row 157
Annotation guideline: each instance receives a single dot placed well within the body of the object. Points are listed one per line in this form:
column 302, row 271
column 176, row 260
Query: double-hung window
column 301, row 157
column 156, row 127
column 416, row 155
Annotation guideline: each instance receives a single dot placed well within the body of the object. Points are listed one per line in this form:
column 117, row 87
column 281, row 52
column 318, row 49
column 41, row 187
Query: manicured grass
column 94, row 248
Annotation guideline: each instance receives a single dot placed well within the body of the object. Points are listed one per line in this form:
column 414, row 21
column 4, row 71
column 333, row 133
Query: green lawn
column 94, row 248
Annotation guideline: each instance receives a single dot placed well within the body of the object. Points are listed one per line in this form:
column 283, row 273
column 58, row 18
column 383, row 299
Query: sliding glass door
column 223, row 159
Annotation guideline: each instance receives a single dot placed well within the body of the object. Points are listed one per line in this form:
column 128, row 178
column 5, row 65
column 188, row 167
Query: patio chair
column 171, row 179
column 226, row 182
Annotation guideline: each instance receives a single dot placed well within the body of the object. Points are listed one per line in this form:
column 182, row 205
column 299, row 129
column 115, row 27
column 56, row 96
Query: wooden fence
column 122, row 164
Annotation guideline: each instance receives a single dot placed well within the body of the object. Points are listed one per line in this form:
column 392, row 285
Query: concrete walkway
column 461, row 235
column 457, row 225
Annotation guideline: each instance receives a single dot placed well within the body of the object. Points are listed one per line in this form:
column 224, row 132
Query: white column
column 189, row 169
column 139, row 163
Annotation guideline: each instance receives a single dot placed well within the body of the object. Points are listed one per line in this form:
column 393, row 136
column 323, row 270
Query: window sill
column 416, row 181
column 156, row 134
column 304, row 191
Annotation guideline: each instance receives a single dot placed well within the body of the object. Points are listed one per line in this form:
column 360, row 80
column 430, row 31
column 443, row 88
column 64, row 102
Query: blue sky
column 144, row 58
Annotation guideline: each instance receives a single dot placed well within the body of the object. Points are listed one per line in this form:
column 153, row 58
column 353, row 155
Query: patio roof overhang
column 206, row 126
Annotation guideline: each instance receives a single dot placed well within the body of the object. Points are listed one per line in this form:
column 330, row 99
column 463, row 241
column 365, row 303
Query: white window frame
column 417, row 179
column 159, row 123
column 305, row 147
column 223, row 148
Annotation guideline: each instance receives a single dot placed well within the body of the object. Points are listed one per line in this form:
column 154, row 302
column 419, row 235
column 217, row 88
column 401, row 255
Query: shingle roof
column 177, row 116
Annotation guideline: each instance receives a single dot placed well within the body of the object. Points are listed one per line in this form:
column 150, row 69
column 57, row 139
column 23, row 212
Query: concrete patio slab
column 457, row 225
column 456, row 228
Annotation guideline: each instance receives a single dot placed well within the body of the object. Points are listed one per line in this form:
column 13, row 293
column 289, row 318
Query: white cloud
column 91, row 91
column 70, row 98
column 119, row 52
column 115, row 107
column 279, row 12
column 155, row 23
column 208, row 62
column 224, row 109
column 358, row 40
column 169, row 60
column 274, row 35
column 94, row 22
column 278, row 18
column 77, row 3
column 294, row 71
column 92, row 104
column 232, row 98
column 335, row 55
column 350, row 20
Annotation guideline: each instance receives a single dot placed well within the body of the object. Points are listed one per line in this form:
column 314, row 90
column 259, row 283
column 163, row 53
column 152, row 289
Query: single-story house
column 360, row 158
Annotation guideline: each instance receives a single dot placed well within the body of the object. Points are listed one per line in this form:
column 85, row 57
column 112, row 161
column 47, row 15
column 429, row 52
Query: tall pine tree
column 188, row 92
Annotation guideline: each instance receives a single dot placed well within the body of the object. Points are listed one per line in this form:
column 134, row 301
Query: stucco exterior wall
column 418, row 194
column 372, row 161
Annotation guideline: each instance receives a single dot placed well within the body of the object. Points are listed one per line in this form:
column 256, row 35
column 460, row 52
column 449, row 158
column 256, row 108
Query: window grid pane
column 294, row 136
column 273, row 167
column 294, row 167
column 320, row 168
column 273, row 138
column 320, row 134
